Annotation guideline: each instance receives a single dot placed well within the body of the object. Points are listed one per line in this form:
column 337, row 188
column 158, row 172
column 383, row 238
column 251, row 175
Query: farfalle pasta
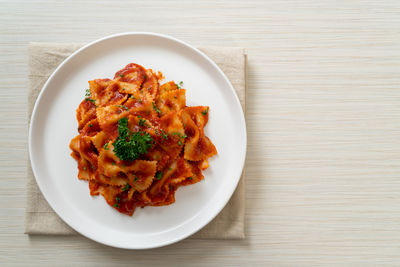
column 138, row 142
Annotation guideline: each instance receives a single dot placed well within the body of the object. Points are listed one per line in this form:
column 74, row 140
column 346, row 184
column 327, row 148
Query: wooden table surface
column 323, row 162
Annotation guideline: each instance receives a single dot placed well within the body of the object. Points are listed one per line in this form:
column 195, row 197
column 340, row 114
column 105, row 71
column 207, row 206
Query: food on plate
column 138, row 141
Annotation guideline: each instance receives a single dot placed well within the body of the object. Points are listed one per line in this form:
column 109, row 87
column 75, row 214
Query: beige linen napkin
column 40, row 217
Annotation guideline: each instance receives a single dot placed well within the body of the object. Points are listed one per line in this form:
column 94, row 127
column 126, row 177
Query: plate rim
column 87, row 46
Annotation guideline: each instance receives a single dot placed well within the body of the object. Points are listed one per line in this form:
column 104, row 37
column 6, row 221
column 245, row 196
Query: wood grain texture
column 323, row 162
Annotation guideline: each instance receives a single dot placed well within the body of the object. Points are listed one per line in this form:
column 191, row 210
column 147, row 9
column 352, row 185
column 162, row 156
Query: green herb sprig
column 156, row 108
column 91, row 100
column 159, row 175
column 129, row 146
column 142, row 122
column 181, row 136
column 124, row 107
column 126, row 188
column 162, row 134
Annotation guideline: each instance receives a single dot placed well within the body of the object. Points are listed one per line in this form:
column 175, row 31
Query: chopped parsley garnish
column 87, row 92
column 106, row 148
column 144, row 76
column 122, row 106
column 170, row 169
column 133, row 97
column 162, row 134
column 126, row 187
column 123, row 89
column 129, row 146
column 179, row 85
column 156, row 108
column 117, row 199
column 136, row 179
column 158, row 175
column 179, row 134
column 142, row 122
column 140, row 101
column 112, row 163
column 91, row 100
column 205, row 112
column 116, row 205
column 90, row 125
column 121, row 75
column 190, row 178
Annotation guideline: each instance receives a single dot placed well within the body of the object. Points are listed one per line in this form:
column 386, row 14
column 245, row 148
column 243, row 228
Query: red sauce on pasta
column 163, row 138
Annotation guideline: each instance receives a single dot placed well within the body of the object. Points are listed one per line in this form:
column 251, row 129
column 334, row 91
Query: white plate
column 53, row 125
